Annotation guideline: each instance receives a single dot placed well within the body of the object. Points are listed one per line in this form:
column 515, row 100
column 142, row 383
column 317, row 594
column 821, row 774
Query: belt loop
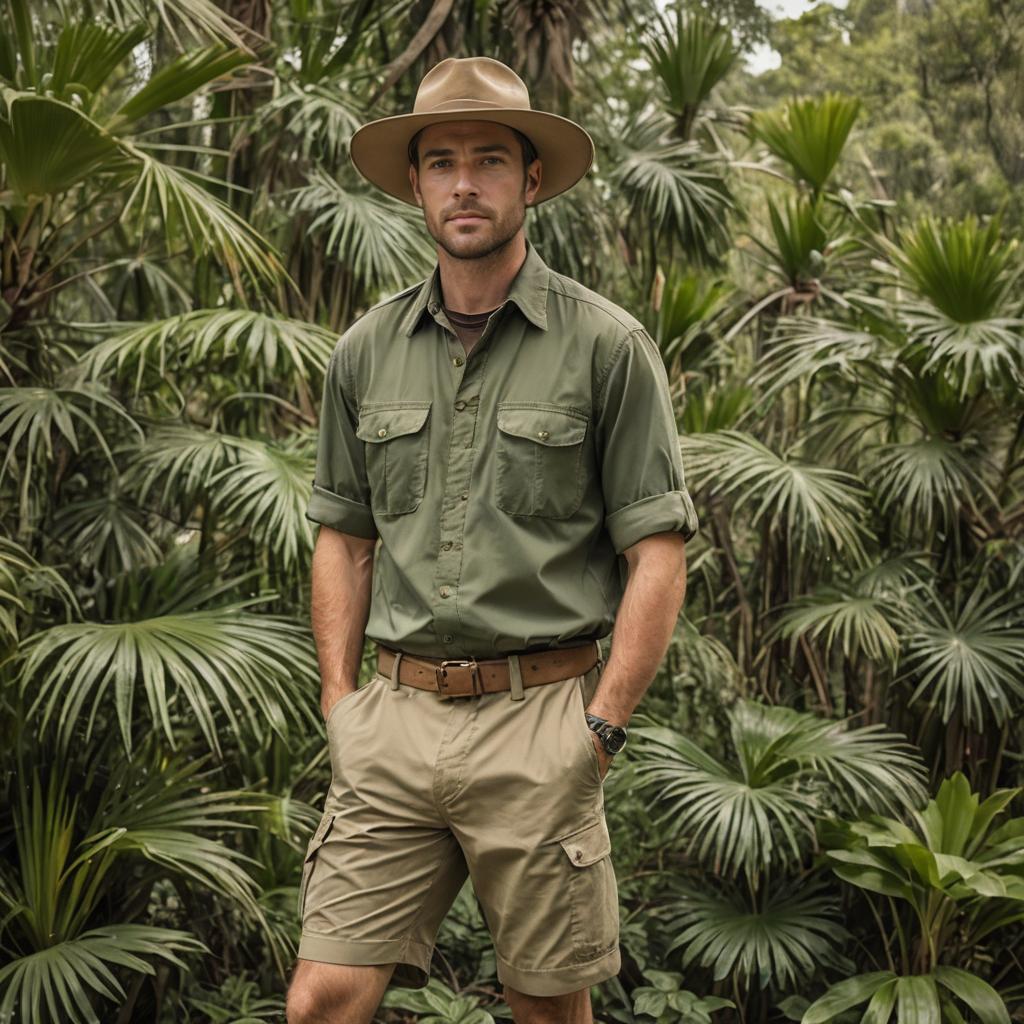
column 394, row 670
column 515, row 677
column 600, row 660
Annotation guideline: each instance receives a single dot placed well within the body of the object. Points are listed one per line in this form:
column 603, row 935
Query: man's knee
column 570, row 1008
column 331, row 993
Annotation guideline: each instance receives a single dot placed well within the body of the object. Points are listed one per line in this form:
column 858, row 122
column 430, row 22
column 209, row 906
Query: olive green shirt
column 503, row 486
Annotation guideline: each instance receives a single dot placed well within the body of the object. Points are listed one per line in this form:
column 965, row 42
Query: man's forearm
column 644, row 625
column 340, row 606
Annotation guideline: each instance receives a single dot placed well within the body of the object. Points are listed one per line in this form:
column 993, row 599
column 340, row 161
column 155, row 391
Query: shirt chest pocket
column 539, row 460
column 396, row 436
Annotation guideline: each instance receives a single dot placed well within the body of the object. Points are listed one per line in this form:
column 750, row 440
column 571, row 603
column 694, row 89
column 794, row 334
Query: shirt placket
column 467, row 374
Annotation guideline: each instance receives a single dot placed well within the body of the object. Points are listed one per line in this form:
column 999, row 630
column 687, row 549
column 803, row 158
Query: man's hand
column 329, row 698
column 603, row 756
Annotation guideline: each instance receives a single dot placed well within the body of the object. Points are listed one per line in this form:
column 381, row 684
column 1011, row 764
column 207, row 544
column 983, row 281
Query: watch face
column 615, row 739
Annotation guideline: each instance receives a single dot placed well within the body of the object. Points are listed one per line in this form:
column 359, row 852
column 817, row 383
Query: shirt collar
column 529, row 291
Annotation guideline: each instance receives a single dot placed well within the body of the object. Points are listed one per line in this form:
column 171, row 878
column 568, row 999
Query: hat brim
column 379, row 149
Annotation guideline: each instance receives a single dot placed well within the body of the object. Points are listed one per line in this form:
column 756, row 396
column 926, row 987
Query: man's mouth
column 467, row 217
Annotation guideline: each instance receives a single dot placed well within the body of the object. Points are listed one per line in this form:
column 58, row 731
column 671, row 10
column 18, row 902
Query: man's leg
column 322, row 993
column 571, row 1008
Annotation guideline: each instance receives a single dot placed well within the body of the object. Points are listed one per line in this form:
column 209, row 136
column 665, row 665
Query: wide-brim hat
column 472, row 88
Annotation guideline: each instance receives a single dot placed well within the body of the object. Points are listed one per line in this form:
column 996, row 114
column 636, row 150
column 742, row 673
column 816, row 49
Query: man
column 497, row 452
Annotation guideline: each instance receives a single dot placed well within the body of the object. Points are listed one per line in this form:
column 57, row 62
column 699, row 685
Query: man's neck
column 477, row 286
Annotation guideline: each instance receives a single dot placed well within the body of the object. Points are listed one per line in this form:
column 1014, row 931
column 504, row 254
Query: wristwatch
column 612, row 737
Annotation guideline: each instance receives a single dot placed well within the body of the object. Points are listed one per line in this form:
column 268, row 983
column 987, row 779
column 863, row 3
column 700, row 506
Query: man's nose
column 464, row 183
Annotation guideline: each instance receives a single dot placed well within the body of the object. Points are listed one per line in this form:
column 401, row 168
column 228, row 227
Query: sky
column 764, row 57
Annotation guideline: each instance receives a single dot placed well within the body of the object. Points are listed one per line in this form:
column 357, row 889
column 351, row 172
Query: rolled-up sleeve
column 638, row 447
column 341, row 494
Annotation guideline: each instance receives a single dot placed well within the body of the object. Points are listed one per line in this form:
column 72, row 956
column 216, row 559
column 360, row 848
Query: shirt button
column 434, row 307
column 382, row 432
column 464, row 495
column 460, row 405
column 447, row 638
column 458, row 361
column 445, row 591
column 543, row 434
column 446, row 546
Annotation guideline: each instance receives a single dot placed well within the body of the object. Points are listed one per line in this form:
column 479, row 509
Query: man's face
column 473, row 168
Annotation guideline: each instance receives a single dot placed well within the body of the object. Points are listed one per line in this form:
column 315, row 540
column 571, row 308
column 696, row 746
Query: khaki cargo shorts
column 429, row 790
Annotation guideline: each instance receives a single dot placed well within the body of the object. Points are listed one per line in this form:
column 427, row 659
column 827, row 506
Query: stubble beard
column 479, row 248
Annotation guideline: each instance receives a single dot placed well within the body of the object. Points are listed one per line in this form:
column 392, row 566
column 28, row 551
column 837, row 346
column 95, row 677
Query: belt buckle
column 474, row 675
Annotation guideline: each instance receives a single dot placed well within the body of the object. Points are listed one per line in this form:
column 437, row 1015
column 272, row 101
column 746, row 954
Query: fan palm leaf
column 961, row 319
column 60, row 982
column 928, row 481
column 378, row 239
column 266, row 492
column 789, row 767
column 109, row 533
column 675, row 188
column 690, row 58
column 808, row 134
column 203, row 667
column 967, row 658
column 802, row 347
column 33, row 418
column 21, row 578
column 266, row 348
column 795, row 931
column 814, row 506
column 177, row 463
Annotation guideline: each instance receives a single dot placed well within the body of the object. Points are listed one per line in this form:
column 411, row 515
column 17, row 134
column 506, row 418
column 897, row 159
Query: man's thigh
column 528, row 813
column 382, row 868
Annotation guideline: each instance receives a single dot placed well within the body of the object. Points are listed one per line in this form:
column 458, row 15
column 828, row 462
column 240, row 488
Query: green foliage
column 808, row 134
column 828, row 256
column 668, row 1003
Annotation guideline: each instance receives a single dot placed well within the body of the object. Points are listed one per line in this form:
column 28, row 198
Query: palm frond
column 814, row 506
column 265, row 492
column 808, row 134
column 781, row 940
column 57, row 983
column 266, row 348
column 211, row 669
column 802, row 347
column 967, row 658
column 788, row 768
column 378, row 239
column 928, row 481
column 677, row 188
column 189, row 211
column 690, row 57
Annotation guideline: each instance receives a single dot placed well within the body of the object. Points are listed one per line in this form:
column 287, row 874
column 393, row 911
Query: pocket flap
column 382, row 424
column 545, row 426
column 588, row 844
column 323, row 830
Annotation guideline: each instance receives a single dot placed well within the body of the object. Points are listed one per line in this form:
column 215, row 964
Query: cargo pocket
column 593, row 890
column 323, row 830
column 539, row 460
column 396, row 436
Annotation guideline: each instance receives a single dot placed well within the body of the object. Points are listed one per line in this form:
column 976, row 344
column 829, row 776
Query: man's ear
column 533, row 176
column 414, row 182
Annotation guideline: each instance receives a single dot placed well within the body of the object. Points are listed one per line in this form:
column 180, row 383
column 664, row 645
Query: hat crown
column 458, row 82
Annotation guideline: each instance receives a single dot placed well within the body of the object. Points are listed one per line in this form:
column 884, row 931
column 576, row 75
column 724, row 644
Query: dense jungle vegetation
column 819, row 816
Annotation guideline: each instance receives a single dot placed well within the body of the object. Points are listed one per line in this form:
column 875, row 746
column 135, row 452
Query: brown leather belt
column 464, row 677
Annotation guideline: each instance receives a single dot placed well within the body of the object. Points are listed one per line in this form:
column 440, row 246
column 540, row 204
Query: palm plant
column 962, row 878
column 750, row 822
column 104, row 843
column 195, row 658
column 690, row 57
column 808, row 134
